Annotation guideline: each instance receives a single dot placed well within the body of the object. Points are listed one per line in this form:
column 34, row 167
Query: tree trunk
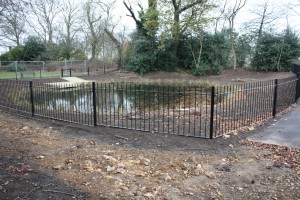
column 93, row 51
column 233, row 53
column 118, row 45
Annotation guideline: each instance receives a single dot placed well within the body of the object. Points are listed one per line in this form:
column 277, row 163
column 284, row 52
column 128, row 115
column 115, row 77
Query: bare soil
column 45, row 159
column 229, row 76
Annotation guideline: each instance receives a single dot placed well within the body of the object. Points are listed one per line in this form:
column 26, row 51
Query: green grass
column 10, row 75
column 6, row 75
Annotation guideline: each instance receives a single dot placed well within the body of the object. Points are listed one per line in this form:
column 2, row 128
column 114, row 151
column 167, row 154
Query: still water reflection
column 109, row 98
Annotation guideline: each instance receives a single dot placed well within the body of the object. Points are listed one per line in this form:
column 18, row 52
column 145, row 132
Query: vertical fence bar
column 297, row 87
column 16, row 67
column 62, row 72
column 31, row 98
column 163, row 109
column 102, row 103
column 184, row 115
column 212, row 112
column 70, row 72
column 94, row 103
column 275, row 97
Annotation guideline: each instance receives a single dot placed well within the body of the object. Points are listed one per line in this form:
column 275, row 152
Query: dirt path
column 42, row 159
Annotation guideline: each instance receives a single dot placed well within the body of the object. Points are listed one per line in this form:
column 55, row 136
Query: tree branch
column 112, row 37
column 129, row 8
column 190, row 5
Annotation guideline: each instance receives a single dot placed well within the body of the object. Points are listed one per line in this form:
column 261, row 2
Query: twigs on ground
column 121, row 137
column 50, row 191
column 61, row 192
column 34, row 189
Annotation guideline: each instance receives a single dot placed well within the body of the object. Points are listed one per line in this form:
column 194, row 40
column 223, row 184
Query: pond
column 110, row 98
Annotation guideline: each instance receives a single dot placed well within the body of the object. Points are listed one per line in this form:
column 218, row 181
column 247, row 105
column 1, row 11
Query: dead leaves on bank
column 125, row 171
column 280, row 155
column 21, row 168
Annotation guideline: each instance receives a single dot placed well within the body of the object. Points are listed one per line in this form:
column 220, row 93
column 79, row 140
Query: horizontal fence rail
column 53, row 69
column 195, row 111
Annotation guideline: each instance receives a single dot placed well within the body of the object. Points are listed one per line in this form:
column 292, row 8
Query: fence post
column 297, row 87
column 16, row 66
column 62, row 73
column 88, row 71
column 31, row 98
column 94, row 103
column 70, row 72
column 275, row 98
column 212, row 112
column 43, row 66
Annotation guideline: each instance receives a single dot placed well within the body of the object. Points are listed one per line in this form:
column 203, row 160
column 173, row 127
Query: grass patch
column 12, row 75
column 7, row 75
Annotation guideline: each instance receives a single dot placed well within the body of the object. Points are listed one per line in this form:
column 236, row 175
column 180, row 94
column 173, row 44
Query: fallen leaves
column 280, row 155
column 23, row 169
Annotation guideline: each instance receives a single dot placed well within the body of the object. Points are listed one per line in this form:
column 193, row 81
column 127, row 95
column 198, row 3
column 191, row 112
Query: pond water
column 110, row 98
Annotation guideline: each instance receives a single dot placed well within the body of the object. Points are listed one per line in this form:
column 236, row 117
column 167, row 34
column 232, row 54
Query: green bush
column 167, row 60
column 276, row 52
column 214, row 53
column 207, row 69
column 201, row 70
column 142, row 56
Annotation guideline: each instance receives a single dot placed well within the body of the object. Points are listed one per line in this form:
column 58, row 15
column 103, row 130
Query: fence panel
column 195, row 111
column 15, row 95
column 154, row 108
column 242, row 105
column 287, row 89
column 72, row 102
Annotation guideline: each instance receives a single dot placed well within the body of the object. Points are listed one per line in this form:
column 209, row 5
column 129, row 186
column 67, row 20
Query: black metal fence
column 195, row 111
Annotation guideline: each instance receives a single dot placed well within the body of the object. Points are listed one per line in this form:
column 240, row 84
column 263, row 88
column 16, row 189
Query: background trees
column 199, row 36
column 276, row 52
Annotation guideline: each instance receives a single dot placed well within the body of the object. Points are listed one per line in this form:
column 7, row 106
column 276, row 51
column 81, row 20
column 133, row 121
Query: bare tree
column 5, row 4
column 12, row 24
column 70, row 25
column 221, row 14
column 118, row 45
column 265, row 15
column 231, row 16
column 109, row 28
column 44, row 12
column 95, row 26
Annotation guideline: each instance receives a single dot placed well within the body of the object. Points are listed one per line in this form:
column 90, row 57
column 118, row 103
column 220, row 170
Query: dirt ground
column 46, row 159
column 229, row 76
